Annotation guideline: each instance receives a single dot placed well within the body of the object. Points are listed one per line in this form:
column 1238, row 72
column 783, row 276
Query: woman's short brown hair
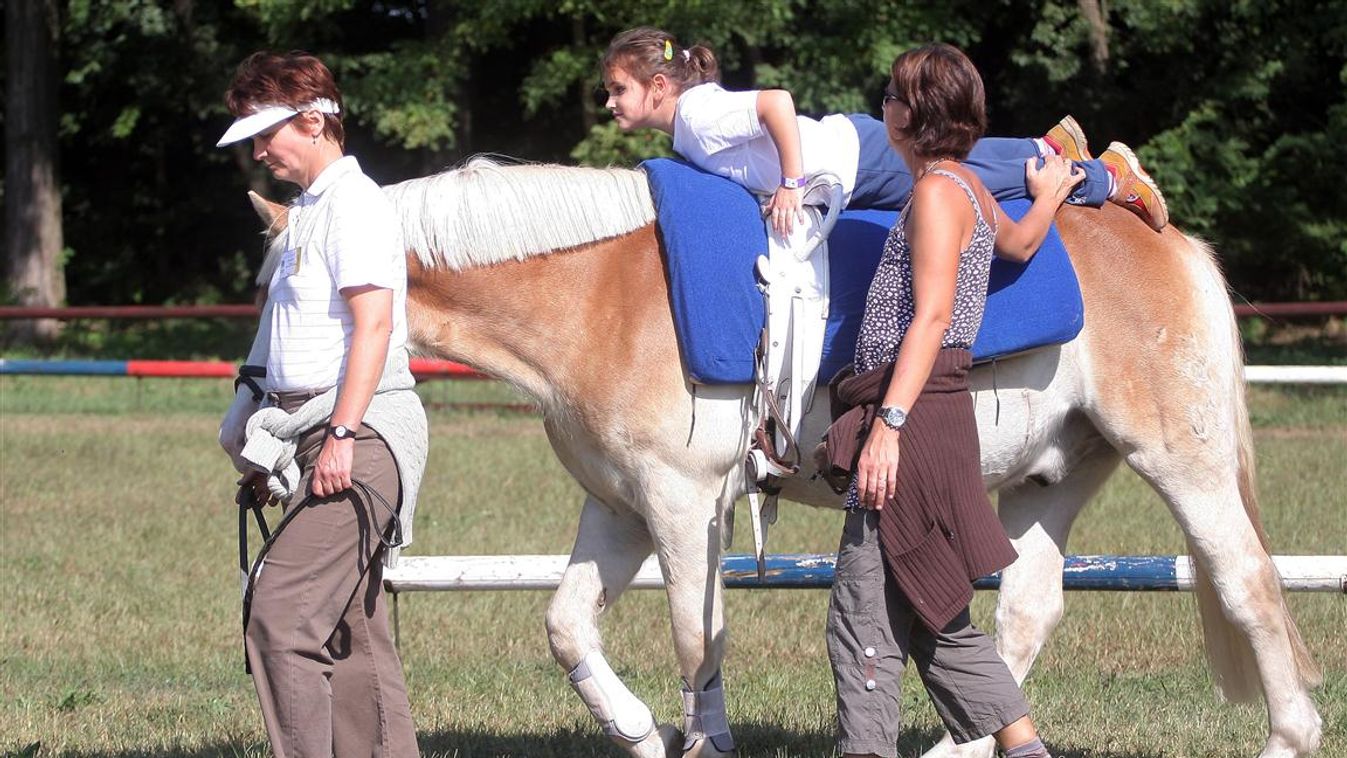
column 292, row 79
column 945, row 98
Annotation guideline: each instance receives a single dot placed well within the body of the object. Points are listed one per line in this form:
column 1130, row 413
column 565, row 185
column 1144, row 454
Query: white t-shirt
column 719, row 131
column 342, row 232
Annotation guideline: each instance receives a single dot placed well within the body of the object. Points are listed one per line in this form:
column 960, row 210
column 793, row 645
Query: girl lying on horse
column 756, row 138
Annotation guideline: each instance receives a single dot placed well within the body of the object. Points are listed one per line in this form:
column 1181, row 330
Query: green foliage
column 606, row 145
column 285, row 15
column 405, row 94
column 1243, row 122
column 143, row 185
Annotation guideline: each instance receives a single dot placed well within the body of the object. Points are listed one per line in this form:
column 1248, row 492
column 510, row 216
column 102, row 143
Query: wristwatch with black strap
column 892, row 416
column 341, row 432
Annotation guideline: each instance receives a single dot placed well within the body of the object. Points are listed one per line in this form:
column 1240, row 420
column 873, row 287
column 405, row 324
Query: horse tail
column 1229, row 653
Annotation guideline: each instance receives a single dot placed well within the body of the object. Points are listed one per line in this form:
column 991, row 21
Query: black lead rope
column 248, row 375
column 246, row 502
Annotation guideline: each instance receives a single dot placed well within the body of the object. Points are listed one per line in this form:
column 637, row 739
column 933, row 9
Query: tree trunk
column 1096, row 15
column 33, row 239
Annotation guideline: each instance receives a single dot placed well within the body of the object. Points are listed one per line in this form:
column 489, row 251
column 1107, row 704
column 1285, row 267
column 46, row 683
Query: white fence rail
column 1128, row 573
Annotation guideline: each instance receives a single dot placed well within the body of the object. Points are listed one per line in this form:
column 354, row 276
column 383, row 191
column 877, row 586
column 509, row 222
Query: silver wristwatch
column 892, row 416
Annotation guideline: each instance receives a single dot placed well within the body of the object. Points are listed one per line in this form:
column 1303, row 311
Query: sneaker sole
column 1135, row 166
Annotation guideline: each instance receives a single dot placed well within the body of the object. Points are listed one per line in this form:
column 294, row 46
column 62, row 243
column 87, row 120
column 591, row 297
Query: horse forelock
column 489, row 212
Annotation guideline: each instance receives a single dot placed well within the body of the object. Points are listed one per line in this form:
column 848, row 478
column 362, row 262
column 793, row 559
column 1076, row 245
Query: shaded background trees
column 1238, row 107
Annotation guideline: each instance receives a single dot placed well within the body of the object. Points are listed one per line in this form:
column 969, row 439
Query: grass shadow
column 755, row 740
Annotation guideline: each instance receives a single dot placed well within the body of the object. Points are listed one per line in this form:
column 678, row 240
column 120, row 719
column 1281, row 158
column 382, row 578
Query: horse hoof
column 704, row 748
column 665, row 742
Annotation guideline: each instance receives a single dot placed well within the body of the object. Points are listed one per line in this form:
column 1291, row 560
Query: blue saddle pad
column 712, row 234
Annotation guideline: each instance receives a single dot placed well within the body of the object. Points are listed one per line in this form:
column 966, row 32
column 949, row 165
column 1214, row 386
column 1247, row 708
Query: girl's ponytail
column 702, row 64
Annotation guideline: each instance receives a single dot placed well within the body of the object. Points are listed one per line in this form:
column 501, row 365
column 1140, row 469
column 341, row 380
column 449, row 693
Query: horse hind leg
column 1252, row 641
column 1038, row 518
column 609, row 549
column 1195, row 447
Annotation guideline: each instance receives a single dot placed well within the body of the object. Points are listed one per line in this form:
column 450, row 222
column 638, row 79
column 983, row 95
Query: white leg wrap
column 704, row 716
column 620, row 713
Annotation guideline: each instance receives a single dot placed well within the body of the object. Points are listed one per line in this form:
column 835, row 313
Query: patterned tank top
column 889, row 305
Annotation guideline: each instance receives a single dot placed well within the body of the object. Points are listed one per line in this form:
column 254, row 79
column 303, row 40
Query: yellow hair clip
column 668, row 49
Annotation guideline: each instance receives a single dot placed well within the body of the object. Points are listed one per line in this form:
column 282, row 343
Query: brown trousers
column 323, row 661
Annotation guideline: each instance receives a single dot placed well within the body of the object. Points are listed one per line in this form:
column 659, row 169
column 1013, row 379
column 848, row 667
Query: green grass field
column 120, row 618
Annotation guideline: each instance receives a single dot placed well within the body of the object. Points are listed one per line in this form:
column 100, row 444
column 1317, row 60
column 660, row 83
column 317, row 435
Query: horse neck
column 556, row 326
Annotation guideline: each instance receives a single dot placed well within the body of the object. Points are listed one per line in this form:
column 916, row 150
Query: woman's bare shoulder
column 939, row 195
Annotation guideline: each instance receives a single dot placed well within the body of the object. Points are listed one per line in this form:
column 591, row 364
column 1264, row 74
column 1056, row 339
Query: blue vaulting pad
column 712, row 234
column 1028, row 305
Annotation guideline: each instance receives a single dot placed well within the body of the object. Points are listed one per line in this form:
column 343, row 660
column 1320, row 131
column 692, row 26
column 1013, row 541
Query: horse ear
column 266, row 210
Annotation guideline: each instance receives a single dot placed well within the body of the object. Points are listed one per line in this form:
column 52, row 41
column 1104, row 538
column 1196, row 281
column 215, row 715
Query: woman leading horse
column 338, row 396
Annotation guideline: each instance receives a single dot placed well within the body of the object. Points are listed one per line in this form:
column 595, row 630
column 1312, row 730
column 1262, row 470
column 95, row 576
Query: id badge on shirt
column 291, row 261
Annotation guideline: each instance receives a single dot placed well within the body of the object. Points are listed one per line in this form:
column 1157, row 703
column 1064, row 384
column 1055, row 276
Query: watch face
column 894, row 417
column 342, row 432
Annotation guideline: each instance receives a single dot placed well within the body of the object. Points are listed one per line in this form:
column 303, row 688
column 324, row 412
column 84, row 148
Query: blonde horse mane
column 489, row 212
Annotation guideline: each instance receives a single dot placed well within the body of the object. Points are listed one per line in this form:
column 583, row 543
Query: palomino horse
column 551, row 278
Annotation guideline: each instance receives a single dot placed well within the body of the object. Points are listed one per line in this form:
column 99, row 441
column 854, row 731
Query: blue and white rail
column 1113, row 573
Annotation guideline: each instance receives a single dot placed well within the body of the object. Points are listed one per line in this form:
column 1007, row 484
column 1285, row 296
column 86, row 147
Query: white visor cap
column 268, row 116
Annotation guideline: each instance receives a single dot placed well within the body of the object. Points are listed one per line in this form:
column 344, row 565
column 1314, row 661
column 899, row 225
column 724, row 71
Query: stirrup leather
column 793, row 282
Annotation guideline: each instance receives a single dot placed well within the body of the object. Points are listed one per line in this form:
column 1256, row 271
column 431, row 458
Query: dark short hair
column 293, row 79
column 945, row 97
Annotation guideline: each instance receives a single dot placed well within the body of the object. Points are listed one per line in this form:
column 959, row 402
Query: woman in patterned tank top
column 920, row 526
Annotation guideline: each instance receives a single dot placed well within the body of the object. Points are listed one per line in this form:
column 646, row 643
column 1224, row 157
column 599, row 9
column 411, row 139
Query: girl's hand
column 1055, row 180
column 877, row 467
column 332, row 470
column 784, row 210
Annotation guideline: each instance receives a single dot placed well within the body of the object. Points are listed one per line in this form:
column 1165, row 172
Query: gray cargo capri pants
column 872, row 630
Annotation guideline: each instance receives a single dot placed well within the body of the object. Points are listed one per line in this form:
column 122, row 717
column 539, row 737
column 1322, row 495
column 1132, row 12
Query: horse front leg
column 687, row 543
column 1038, row 520
column 609, row 549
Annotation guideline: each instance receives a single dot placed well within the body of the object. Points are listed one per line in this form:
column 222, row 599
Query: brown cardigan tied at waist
column 941, row 532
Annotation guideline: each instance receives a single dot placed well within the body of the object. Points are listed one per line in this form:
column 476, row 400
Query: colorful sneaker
column 1133, row 189
column 1068, row 139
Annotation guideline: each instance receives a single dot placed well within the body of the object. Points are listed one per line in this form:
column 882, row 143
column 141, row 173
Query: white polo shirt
column 342, row 232
column 719, row 131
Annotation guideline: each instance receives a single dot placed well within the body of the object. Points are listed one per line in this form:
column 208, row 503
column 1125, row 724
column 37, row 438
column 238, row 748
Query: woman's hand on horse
column 785, row 210
column 332, row 471
column 1055, row 179
column 877, row 467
